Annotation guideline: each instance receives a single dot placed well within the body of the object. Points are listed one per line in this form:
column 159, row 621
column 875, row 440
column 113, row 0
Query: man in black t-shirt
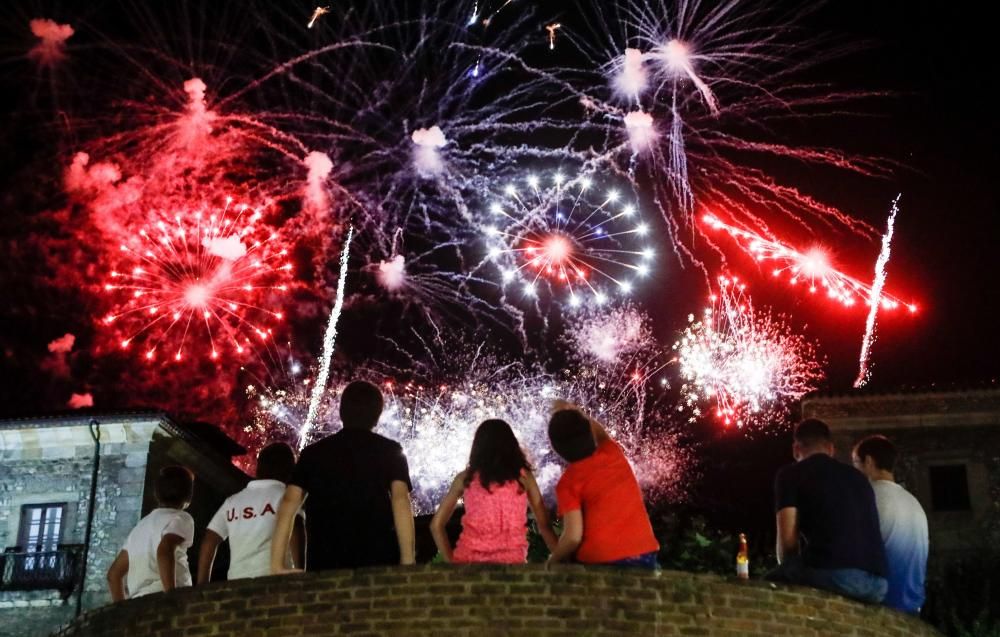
column 828, row 530
column 356, row 489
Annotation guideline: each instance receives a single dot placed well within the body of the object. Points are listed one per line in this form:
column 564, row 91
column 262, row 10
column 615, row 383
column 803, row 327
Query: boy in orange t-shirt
column 604, row 519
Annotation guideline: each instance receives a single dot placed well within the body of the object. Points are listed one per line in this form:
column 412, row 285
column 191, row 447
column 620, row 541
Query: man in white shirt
column 247, row 520
column 154, row 558
column 902, row 522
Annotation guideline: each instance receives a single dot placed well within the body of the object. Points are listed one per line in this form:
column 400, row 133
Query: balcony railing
column 42, row 570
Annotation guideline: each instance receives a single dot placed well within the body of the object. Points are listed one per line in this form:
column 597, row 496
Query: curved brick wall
column 479, row 601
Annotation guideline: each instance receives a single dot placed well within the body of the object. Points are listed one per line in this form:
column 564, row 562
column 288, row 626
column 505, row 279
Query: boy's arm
column 297, row 545
column 206, row 557
column 291, row 502
column 571, row 538
column 443, row 514
column 402, row 517
column 788, row 533
column 116, row 576
column 538, row 508
column 165, row 560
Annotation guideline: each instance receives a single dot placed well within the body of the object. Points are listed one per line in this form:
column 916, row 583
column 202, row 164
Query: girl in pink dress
column 497, row 488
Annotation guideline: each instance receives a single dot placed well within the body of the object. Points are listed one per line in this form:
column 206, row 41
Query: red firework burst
column 199, row 282
column 812, row 267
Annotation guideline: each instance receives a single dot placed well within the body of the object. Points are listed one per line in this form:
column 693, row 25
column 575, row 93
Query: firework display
column 682, row 90
column 206, row 280
column 583, row 243
column 435, row 423
column 746, row 364
column 367, row 184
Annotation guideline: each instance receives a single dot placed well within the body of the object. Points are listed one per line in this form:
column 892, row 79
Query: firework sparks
column 198, row 273
column 676, row 59
column 427, row 144
column 317, row 12
column 745, row 363
column 611, row 335
column 689, row 88
column 552, row 28
column 329, row 341
column 568, row 236
column 52, row 36
column 874, row 300
column 630, row 78
column 435, row 420
column 811, row 268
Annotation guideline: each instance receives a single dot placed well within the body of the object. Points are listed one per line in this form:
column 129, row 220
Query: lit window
column 41, row 531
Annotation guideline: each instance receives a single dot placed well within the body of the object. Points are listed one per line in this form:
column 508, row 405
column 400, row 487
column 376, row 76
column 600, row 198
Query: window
column 41, row 532
column 950, row 488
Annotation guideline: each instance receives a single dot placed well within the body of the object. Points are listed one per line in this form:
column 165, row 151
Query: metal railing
column 41, row 570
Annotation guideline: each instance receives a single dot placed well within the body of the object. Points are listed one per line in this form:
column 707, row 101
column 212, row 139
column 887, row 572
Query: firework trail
column 552, row 28
column 567, row 234
column 812, row 268
column 316, row 14
column 198, row 271
column 329, row 341
column 874, row 301
column 746, row 363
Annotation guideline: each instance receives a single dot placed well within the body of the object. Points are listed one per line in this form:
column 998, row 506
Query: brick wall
column 481, row 601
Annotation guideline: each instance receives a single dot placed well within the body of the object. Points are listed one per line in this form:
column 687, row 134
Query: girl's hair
column 496, row 455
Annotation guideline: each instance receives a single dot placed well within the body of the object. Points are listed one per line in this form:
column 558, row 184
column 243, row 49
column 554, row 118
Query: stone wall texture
column 482, row 601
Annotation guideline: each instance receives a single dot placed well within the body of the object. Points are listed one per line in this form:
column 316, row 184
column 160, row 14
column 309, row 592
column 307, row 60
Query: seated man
column 903, row 523
column 828, row 533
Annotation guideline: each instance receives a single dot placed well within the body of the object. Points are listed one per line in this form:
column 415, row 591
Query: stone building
column 46, row 469
column 949, row 443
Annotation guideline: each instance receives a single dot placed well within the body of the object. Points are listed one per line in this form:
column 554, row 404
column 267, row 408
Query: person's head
column 571, row 435
column 875, row 456
column 360, row 405
column 275, row 462
column 174, row 487
column 496, row 455
column 811, row 436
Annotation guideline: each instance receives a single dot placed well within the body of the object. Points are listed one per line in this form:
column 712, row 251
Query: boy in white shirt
column 902, row 522
column 154, row 558
column 247, row 520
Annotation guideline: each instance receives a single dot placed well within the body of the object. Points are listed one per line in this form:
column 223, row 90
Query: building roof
column 989, row 387
column 202, row 432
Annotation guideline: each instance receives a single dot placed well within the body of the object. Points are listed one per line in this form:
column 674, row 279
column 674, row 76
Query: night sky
column 933, row 61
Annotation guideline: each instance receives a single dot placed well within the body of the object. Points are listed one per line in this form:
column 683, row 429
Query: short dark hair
column 571, row 435
column 360, row 405
column 174, row 486
column 812, row 432
column 275, row 462
column 880, row 449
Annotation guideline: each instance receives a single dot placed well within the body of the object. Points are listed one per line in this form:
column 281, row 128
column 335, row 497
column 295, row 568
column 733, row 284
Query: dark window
column 950, row 488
